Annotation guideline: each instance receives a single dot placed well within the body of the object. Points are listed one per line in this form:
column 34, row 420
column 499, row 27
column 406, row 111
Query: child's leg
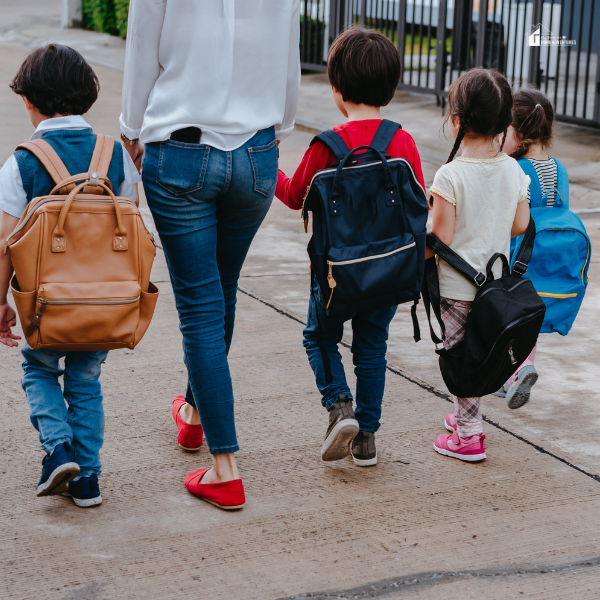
column 369, row 345
column 466, row 410
column 85, row 414
column 48, row 412
column 468, row 416
column 332, row 331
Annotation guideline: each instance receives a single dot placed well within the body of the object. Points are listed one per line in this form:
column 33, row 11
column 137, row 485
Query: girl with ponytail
column 529, row 136
column 479, row 202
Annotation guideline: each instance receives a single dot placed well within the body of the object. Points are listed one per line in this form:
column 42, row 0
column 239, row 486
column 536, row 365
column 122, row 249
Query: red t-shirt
column 291, row 190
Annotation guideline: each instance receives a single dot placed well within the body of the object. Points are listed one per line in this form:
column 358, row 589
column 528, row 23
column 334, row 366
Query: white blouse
column 229, row 67
column 485, row 193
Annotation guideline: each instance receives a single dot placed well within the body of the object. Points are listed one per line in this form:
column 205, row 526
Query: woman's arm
column 444, row 220
column 293, row 77
column 142, row 67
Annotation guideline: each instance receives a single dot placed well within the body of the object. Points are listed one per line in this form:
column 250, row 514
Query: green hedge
column 108, row 16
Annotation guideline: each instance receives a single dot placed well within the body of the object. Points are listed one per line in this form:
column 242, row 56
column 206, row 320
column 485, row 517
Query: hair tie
column 537, row 106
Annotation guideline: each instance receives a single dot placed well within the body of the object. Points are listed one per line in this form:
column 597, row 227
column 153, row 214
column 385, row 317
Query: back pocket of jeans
column 264, row 167
column 181, row 166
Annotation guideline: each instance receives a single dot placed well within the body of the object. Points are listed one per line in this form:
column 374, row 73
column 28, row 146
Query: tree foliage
column 107, row 16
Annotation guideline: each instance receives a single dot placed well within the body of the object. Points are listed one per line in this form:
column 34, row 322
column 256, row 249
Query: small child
column 528, row 137
column 58, row 86
column 364, row 70
column 479, row 204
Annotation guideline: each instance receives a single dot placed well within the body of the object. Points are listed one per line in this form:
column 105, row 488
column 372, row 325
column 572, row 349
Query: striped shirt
column 548, row 175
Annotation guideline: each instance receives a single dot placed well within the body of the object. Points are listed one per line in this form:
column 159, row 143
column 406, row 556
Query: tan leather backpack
column 82, row 260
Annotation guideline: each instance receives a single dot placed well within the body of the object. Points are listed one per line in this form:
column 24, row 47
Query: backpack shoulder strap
column 103, row 151
column 458, row 263
column 385, row 134
column 535, row 190
column 562, row 183
column 46, row 154
column 521, row 262
column 334, row 142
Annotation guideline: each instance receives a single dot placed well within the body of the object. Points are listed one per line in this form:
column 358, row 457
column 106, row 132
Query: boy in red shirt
column 364, row 70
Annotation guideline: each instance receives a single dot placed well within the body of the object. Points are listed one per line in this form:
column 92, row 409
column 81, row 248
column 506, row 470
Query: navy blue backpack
column 561, row 257
column 367, row 249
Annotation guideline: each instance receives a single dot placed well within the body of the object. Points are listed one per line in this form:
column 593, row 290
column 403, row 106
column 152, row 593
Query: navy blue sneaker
column 85, row 491
column 58, row 468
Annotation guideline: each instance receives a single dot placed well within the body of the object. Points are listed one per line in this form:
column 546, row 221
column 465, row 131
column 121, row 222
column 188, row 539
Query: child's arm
column 444, row 220
column 292, row 190
column 521, row 221
column 8, row 317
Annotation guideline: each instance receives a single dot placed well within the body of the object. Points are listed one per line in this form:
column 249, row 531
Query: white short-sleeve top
column 485, row 193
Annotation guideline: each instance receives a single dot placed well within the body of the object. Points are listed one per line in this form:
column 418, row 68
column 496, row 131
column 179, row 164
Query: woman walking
column 210, row 88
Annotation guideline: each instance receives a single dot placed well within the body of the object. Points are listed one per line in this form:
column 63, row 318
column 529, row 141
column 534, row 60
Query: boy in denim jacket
column 58, row 86
column 364, row 71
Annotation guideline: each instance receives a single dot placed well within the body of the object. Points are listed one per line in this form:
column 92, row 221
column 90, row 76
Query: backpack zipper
column 37, row 317
column 561, row 296
column 52, row 199
column 331, row 263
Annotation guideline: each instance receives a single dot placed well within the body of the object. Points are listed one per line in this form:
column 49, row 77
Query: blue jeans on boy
column 75, row 415
column 207, row 205
column 369, row 344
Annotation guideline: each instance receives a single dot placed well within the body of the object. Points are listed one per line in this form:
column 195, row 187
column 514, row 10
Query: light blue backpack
column 561, row 256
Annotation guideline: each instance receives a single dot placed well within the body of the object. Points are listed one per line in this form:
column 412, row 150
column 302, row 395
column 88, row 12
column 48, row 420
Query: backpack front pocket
column 375, row 269
column 86, row 314
column 562, row 302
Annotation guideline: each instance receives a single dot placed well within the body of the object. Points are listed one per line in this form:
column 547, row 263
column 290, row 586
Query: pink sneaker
column 470, row 449
column 450, row 422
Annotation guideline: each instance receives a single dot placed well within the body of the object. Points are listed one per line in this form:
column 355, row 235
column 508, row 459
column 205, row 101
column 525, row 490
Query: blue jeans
column 207, row 206
column 369, row 344
column 79, row 421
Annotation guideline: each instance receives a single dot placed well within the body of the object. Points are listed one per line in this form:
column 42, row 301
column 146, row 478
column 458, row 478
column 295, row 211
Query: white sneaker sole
column 87, row 502
column 57, row 480
column 448, row 426
column 337, row 443
column 519, row 396
column 369, row 462
column 465, row 457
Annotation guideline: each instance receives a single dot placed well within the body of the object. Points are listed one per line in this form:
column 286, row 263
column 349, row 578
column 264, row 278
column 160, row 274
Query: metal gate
column 551, row 44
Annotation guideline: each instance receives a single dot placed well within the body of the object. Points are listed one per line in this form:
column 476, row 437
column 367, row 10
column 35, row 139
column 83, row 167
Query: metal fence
column 551, row 44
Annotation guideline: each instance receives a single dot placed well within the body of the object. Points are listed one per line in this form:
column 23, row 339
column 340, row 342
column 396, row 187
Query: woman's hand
column 8, row 319
column 136, row 152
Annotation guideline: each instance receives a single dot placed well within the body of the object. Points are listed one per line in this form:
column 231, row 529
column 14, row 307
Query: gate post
column 401, row 33
column 440, row 53
column 534, row 75
column 481, row 34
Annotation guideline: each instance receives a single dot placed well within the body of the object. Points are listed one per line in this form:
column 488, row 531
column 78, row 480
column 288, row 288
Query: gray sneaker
column 364, row 451
column 341, row 431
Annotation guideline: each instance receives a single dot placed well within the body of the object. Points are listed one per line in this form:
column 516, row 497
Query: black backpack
column 502, row 326
column 367, row 249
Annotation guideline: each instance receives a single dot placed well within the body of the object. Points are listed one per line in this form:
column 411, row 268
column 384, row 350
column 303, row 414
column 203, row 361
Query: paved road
column 418, row 525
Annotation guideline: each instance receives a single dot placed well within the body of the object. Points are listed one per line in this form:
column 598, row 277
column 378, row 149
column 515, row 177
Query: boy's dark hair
column 57, row 80
column 483, row 100
column 533, row 117
column 364, row 66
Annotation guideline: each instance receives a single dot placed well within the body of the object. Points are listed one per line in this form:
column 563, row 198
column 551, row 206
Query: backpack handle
column 505, row 266
column 389, row 182
column 59, row 242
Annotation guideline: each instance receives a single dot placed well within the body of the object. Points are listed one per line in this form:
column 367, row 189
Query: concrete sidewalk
column 418, row 525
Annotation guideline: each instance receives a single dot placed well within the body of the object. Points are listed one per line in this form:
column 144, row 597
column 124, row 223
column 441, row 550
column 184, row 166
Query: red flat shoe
column 190, row 436
column 228, row 495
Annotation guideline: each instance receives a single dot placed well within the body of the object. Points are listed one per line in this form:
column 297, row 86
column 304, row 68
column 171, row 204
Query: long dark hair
column 533, row 117
column 482, row 99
